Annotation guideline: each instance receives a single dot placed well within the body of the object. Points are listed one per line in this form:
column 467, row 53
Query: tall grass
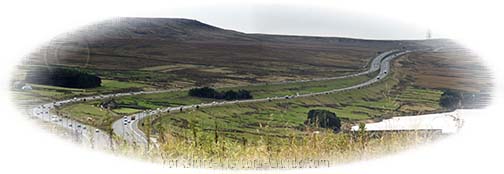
column 322, row 145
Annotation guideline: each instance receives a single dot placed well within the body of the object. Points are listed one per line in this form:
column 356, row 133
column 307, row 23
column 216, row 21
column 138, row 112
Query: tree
column 323, row 119
column 63, row 77
column 230, row 95
column 244, row 94
column 207, row 92
column 109, row 104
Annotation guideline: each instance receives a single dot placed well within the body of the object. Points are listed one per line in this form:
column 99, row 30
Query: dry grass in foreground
column 323, row 149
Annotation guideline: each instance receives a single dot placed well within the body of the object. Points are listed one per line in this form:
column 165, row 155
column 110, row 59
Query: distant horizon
column 299, row 21
column 286, row 34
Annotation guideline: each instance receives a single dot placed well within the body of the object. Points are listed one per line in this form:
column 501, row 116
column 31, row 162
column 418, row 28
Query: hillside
column 172, row 52
column 179, row 46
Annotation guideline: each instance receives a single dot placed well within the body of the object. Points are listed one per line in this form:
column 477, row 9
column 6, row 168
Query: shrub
column 323, row 119
column 204, row 92
column 63, row 77
column 207, row 92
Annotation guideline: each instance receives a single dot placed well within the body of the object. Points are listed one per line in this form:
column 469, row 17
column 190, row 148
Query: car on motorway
column 97, row 130
column 143, row 114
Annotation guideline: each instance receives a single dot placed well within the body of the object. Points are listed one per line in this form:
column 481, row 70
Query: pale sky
column 297, row 20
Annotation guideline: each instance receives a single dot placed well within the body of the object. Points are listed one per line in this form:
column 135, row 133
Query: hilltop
column 135, row 43
column 188, row 52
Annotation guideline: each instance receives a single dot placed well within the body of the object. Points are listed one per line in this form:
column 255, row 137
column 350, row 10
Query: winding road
column 128, row 129
column 131, row 133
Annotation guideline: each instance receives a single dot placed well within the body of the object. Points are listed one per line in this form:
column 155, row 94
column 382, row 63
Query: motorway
column 132, row 134
column 128, row 129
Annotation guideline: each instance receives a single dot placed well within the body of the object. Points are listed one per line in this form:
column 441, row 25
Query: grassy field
column 126, row 111
column 44, row 93
column 152, row 79
column 396, row 95
column 392, row 97
column 419, row 100
column 160, row 100
column 280, row 120
column 452, row 68
column 272, row 90
column 91, row 114
column 169, row 99
column 275, row 130
column 131, row 104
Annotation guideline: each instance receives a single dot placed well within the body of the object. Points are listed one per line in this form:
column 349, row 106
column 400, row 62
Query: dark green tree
column 323, row 119
column 230, row 95
column 207, row 92
column 244, row 94
column 63, row 77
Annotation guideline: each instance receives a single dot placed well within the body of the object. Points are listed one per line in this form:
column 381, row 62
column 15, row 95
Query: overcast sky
column 296, row 20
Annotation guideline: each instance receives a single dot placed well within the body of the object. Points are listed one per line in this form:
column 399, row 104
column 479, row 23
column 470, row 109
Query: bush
column 204, row 92
column 323, row 119
column 63, row 77
column 207, row 92
column 230, row 95
column 244, row 94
